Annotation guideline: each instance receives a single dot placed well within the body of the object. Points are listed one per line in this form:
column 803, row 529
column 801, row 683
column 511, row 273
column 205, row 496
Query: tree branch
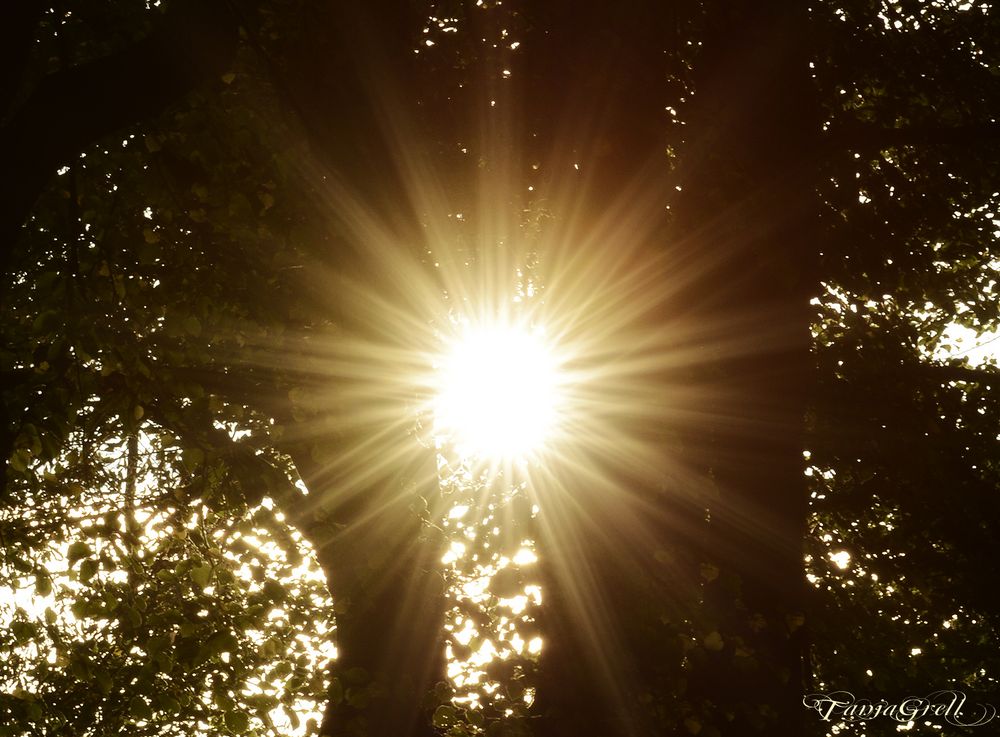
column 862, row 136
column 194, row 40
column 946, row 372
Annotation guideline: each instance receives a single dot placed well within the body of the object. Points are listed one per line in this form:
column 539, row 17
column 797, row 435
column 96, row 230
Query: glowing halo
column 498, row 392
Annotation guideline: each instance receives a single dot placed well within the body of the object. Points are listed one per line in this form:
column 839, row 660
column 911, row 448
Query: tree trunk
column 742, row 240
column 748, row 179
column 349, row 79
column 383, row 571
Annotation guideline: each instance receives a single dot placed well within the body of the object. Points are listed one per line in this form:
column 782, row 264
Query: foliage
column 169, row 596
column 171, row 309
column 903, row 448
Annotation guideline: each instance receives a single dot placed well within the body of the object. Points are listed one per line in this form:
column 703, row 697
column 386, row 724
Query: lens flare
column 498, row 392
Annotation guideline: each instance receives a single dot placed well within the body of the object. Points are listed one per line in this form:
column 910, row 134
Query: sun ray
column 498, row 393
column 413, row 304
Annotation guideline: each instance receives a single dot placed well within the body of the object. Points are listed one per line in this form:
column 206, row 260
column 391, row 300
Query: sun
column 498, row 392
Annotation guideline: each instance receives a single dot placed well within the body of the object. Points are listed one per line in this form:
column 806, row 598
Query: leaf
column 188, row 628
column 193, row 457
column 104, row 682
column 87, row 569
column 274, row 590
column 20, row 459
column 692, row 724
column 168, row 703
column 131, row 615
column 443, row 691
column 268, row 649
column 192, row 326
column 157, row 643
column 202, row 574
column 80, row 668
column 164, row 661
column 238, row 721
column 708, row 571
column 139, row 708
column 713, row 642
column 43, row 584
column 22, row 631
column 220, row 642
column 359, row 697
column 336, row 691
column 78, row 550
column 45, row 323
column 444, row 716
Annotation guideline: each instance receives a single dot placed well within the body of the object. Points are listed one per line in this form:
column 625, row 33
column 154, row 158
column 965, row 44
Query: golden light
column 498, row 392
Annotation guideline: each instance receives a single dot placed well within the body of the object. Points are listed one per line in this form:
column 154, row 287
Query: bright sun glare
column 498, row 392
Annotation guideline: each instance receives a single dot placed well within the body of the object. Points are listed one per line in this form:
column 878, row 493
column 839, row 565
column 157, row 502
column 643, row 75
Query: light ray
column 498, row 392
column 606, row 288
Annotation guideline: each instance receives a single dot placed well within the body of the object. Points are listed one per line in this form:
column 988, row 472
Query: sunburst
column 499, row 391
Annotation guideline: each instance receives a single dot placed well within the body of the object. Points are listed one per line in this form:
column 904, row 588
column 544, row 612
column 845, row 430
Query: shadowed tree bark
column 349, row 80
column 749, row 175
column 744, row 234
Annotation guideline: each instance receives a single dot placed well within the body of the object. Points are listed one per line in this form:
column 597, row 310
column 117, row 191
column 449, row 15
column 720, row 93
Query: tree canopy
column 234, row 233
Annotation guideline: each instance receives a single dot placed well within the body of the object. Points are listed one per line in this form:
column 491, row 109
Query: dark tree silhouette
column 807, row 207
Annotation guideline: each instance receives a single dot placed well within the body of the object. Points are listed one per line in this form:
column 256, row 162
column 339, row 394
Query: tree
column 156, row 402
column 732, row 253
column 902, row 420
